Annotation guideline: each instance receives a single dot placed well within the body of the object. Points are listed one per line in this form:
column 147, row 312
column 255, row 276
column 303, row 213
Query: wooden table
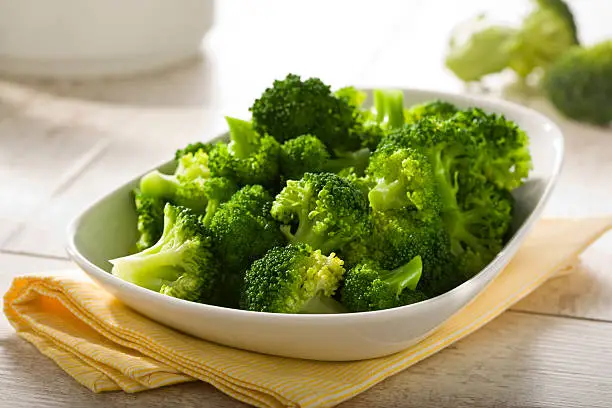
column 63, row 145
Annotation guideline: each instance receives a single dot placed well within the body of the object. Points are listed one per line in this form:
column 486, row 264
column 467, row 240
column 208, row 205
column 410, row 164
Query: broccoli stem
column 243, row 138
column 379, row 105
column 357, row 159
column 322, row 305
column 406, row 276
column 387, row 196
column 211, row 208
column 137, row 268
column 395, row 108
column 156, row 184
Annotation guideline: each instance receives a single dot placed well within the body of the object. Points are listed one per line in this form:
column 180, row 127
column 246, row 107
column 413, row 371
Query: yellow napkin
column 106, row 346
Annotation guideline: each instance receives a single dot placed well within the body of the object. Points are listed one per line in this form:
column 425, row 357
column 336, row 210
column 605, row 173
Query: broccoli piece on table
column 323, row 210
column 180, row 264
column 293, row 279
column 249, row 158
column 184, row 187
column 368, row 286
column 307, row 153
column 150, row 216
column 293, row 107
column 579, row 84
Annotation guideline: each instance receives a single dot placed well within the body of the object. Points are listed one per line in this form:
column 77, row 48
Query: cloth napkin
column 106, row 346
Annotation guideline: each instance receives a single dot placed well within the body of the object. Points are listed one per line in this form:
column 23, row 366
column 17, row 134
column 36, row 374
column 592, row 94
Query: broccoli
column 293, row 107
column 307, row 153
column 184, row 187
column 293, row 279
column 504, row 158
column 150, row 214
column 180, row 264
column 192, row 148
column 217, row 190
column 243, row 231
column 439, row 109
column 329, row 211
column 368, row 287
column 579, row 84
column 249, row 158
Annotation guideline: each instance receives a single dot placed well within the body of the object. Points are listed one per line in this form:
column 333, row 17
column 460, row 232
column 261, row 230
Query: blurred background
column 93, row 93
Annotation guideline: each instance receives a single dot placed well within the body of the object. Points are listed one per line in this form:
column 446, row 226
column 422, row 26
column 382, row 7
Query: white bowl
column 80, row 39
column 107, row 229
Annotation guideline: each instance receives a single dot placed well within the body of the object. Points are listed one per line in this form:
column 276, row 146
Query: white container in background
column 81, row 39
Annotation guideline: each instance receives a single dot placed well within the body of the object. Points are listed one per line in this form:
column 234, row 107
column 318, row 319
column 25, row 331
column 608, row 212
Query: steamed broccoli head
column 368, row 286
column 292, row 107
column 243, row 229
column 504, row 157
column 323, row 210
column 248, row 158
column 184, row 186
column 579, row 84
column 150, row 216
column 217, row 191
column 303, row 154
column 192, row 148
column 292, row 279
column 180, row 264
column 436, row 108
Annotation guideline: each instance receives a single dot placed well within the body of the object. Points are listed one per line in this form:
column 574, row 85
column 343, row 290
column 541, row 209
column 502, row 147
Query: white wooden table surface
column 62, row 145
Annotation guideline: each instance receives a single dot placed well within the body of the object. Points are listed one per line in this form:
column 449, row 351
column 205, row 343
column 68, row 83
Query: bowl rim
column 500, row 104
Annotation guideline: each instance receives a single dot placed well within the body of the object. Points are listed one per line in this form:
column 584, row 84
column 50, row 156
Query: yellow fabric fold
column 106, row 346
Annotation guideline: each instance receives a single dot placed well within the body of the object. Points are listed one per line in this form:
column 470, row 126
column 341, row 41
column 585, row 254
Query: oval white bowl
column 107, row 229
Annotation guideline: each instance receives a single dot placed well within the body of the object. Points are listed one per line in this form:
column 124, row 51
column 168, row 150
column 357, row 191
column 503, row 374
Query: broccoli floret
column 545, row 35
column 563, row 11
column 293, row 279
column 184, row 186
column 307, row 153
column 369, row 287
column 293, row 107
column 244, row 231
column 329, row 211
column 150, row 216
column 217, row 191
column 193, row 148
column 579, row 84
column 504, row 158
column 180, row 264
column 478, row 48
column 439, row 109
column 249, row 158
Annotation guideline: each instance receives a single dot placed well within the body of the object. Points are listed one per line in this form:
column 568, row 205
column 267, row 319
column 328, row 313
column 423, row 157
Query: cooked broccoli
column 293, row 279
column 478, row 48
column 307, row 153
column 579, row 84
column 439, row 109
column 369, row 287
column 217, row 191
column 248, row 158
column 504, row 158
column 323, row 210
column 150, row 214
column 193, row 148
column 180, row 264
column 184, row 187
column 293, row 107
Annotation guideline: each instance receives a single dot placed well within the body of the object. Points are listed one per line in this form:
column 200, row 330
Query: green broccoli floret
column 438, row 108
column 579, row 84
column 369, row 287
column 249, row 158
column 545, row 35
column 478, row 48
column 293, row 107
column 504, row 158
column 307, row 153
column 180, row 264
column 184, row 186
column 293, row 279
column 323, row 210
column 217, row 191
column 192, row 148
column 150, row 215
